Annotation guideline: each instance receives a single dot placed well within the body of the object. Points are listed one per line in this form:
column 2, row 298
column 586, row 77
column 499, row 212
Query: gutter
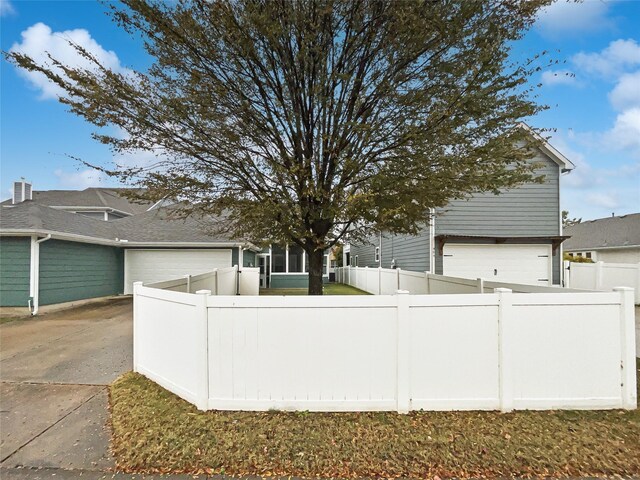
column 34, row 277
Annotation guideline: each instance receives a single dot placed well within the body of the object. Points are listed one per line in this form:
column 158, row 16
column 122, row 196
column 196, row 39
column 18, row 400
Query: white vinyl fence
column 222, row 281
column 603, row 276
column 386, row 281
column 497, row 351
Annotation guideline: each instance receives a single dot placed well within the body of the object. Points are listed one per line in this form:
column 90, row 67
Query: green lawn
column 328, row 289
column 155, row 431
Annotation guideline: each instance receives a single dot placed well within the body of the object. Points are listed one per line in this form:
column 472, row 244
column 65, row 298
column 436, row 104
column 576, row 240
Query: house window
column 278, row 259
column 579, row 254
column 295, row 259
column 378, row 254
column 588, row 254
column 355, row 261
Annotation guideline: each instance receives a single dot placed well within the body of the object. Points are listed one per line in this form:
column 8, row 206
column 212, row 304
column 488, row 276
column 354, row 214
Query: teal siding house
column 61, row 246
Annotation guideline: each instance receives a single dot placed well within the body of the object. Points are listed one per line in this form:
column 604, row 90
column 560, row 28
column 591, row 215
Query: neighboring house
column 515, row 236
column 611, row 239
column 64, row 245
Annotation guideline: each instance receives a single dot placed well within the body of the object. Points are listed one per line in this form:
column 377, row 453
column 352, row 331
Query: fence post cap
column 138, row 283
column 203, row 292
column 502, row 290
column 622, row 289
column 403, row 292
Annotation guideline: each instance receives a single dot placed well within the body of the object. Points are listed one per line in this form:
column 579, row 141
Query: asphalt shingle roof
column 89, row 197
column 157, row 226
column 604, row 232
column 31, row 216
column 150, row 226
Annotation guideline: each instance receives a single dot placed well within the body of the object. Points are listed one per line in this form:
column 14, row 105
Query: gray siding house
column 514, row 236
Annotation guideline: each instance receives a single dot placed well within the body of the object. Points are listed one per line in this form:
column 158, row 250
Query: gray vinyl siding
column 411, row 252
column 73, row 271
column 528, row 210
column 365, row 252
column 15, row 262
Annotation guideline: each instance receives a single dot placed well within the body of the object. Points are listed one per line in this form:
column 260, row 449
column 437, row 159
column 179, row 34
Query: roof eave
column 566, row 164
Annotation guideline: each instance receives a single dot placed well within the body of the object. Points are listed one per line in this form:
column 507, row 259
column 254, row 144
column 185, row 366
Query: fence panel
column 228, row 281
column 170, row 340
column 372, row 283
column 302, row 353
column 582, row 275
column 413, row 282
column 389, row 281
column 205, row 281
column 563, row 354
column 249, row 281
column 439, row 284
column 454, row 354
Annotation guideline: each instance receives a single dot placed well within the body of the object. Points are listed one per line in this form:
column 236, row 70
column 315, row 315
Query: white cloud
column 626, row 93
column 558, row 77
column 38, row 41
column 620, row 56
column 6, row 8
column 565, row 17
column 81, row 179
column 625, row 133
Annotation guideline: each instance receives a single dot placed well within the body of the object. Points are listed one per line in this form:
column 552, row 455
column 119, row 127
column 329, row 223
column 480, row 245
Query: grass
column 155, row 431
column 328, row 289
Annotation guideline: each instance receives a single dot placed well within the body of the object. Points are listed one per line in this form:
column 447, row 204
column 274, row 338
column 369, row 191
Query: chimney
column 21, row 191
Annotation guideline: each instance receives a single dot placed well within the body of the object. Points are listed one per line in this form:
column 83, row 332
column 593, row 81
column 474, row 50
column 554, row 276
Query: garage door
column 529, row 264
column 150, row 266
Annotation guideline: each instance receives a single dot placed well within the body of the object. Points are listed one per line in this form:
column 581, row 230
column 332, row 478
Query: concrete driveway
column 54, row 370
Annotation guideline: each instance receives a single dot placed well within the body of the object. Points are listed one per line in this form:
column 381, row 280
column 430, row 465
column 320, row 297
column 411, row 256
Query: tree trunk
column 315, row 272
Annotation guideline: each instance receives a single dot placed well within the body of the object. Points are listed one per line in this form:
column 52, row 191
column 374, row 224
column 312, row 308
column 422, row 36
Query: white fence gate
column 401, row 352
column 603, row 276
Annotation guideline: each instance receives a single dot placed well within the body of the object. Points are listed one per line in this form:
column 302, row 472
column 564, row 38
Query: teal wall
column 292, row 280
column 73, row 271
column 15, row 259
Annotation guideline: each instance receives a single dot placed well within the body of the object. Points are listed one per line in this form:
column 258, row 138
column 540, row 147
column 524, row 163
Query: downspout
column 34, row 283
column 432, row 240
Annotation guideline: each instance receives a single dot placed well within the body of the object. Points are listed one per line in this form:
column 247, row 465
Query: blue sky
column 593, row 92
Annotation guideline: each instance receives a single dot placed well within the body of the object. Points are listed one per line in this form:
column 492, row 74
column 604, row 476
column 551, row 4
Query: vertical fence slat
column 505, row 358
column 403, row 390
column 203, row 357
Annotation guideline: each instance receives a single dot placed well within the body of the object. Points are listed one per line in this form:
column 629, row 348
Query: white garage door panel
column 529, row 264
column 151, row 266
